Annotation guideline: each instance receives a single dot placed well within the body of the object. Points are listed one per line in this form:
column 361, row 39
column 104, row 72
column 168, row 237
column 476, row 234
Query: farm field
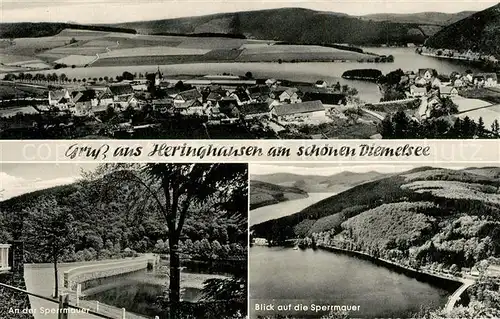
column 76, row 60
column 81, row 47
column 467, row 104
column 152, row 51
column 297, row 52
column 489, row 115
column 147, row 60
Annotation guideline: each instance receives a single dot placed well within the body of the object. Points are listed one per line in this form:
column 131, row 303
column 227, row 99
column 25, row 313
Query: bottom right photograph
column 378, row 241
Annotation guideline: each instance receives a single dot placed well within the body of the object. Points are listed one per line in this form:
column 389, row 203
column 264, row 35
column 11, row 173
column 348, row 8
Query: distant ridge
column 45, row 29
column 433, row 18
column 318, row 183
column 296, row 25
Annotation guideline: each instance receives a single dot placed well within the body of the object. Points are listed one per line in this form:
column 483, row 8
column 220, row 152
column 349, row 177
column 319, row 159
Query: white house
column 458, row 83
column 187, row 97
column 485, row 79
column 435, row 82
column 448, row 91
column 289, row 95
column 59, row 97
column 416, row 91
column 321, row 84
column 270, row 82
column 420, row 81
column 427, row 74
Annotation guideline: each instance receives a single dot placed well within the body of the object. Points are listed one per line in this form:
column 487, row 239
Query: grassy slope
column 329, row 213
column 288, row 24
column 263, row 194
column 479, row 32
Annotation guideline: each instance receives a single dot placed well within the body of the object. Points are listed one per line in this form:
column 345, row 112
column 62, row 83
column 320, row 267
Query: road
column 456, row 295
column 374, row 114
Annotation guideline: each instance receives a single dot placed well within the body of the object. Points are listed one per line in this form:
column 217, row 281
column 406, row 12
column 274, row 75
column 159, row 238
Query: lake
column 265, row 213
column 404, row 58
column 305, row 277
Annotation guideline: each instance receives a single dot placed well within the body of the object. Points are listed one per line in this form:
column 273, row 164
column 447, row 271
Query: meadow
column 269, row 53
column 488, row 114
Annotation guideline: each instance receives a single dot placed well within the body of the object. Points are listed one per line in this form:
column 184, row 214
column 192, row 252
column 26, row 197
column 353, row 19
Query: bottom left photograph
column 159, row 241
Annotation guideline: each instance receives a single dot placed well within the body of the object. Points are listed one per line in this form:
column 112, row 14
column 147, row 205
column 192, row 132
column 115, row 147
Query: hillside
column 431, row 18
column 45, row 29
column 105, row 222
column 264, row 194
column 479, row 32
column 316, row 183
column 424, row 215
column 294, row 25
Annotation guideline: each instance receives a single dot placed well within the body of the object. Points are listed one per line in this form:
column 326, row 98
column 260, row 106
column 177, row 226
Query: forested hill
column 293, row 25
column 456, row 213
column 317, row 183
column 263, row 194
column 45, row 29
column 108, row 224
column 479, row 32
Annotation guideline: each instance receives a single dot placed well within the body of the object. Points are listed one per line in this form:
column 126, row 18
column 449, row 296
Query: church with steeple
column 158, row 77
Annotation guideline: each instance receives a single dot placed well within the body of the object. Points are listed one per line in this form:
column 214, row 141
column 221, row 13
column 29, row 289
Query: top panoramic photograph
column 106, row 69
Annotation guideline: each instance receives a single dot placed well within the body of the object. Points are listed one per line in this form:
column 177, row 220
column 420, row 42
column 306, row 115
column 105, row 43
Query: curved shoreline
column 449, row 284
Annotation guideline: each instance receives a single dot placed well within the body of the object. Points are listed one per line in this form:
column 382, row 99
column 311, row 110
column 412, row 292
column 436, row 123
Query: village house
column 327, row 99
column 458, row 83
column 435, row 82
column 416, row 91
column 121, row 91
column 270, row 82
column 83, row 102
column 187, row 97
column 59, row 98
column 420, row 81
column 310, row 109
column 241, row 96
column 213, row 98
column 229, row 107
column 162, row 105
column 277, row 91
column 255, row 110
column 126, row 101
column 485, row 80
column 321, row 84
column 427, row 74
column 448, row 91
column 259, row 92
column 189, row 107
column 289, row 96
column 105, row 98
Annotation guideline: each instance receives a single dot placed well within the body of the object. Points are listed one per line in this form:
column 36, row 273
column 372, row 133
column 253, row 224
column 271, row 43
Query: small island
column 362, row 74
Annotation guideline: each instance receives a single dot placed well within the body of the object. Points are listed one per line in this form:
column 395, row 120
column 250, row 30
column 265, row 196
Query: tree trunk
column 56, row 279
column 175, row 280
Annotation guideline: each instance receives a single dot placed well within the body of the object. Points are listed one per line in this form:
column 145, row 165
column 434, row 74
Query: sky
column 322, row 169
column 18, row 179
column 113, row 11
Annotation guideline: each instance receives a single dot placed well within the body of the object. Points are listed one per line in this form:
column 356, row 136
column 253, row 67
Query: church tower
column 158, row 77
